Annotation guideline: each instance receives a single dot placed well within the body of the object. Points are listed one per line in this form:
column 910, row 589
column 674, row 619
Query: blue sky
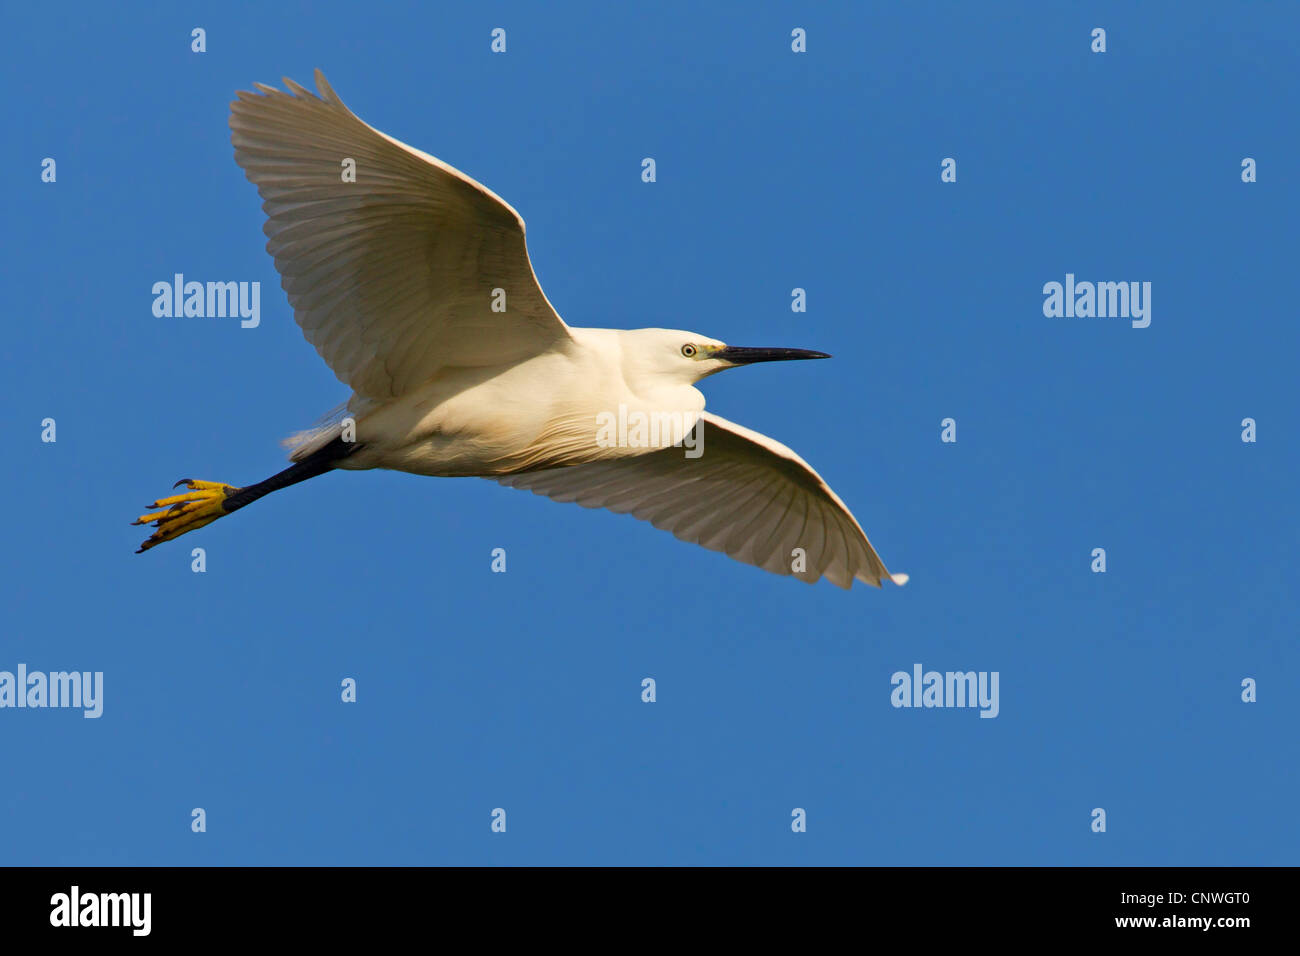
column 521, row 690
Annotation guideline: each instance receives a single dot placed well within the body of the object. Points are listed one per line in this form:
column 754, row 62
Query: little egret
column 413, row 283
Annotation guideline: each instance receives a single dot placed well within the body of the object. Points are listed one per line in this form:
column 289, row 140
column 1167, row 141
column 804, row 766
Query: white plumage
column 393, row 278
column 747, row 496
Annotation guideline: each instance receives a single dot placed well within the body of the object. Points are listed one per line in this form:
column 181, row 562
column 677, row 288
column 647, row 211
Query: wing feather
column 748, row 496
column 391, row 277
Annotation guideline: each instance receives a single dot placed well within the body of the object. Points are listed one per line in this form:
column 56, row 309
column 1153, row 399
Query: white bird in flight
column 413, row 283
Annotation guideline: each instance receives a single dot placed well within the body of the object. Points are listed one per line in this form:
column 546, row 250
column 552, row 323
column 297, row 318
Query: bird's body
column 413, row 283
column 539, row 413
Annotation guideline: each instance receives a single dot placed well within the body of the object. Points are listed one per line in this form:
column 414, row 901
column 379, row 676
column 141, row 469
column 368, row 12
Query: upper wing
column 746, row 495
column 391, row 277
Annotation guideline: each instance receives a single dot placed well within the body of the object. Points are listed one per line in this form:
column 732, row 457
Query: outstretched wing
column 746, row 495
column 391, row 277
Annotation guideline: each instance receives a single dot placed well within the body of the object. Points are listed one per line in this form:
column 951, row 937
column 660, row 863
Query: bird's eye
column 688, row 350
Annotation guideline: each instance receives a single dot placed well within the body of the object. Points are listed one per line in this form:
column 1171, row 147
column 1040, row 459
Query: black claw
column 183, row 481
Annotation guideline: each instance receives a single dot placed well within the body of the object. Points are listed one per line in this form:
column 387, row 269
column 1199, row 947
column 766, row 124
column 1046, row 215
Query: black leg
column 317, row 463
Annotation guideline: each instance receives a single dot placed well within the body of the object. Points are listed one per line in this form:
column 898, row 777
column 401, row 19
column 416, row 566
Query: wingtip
column 900, row 579
column 326, row 91
column 297, row 89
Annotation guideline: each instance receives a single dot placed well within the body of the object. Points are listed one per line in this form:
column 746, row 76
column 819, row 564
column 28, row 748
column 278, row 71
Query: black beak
column 739, row 355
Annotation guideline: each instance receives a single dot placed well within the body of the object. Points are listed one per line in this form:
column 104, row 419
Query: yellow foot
column 181, row 513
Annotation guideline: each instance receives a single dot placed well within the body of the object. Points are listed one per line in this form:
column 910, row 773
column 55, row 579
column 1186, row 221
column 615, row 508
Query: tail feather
column 303, row 444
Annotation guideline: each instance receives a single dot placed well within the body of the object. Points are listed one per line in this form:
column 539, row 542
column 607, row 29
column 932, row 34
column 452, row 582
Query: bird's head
column 688, row 356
